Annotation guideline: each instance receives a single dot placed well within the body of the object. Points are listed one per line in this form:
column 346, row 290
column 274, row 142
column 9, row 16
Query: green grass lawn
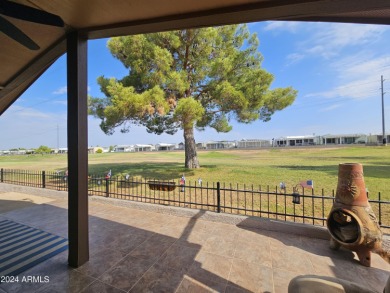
column 250, row 167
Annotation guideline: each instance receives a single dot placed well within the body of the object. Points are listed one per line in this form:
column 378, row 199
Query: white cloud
column 61, row 91
column 330, row 108
column 61, row 102
column 294, row 58
column 357, row 78
column 362, row 66
column 23, row 112
column 289, row 26
column 328, row 40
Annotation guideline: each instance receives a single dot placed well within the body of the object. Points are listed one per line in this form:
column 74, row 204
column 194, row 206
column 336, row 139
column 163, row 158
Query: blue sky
column 336, row 69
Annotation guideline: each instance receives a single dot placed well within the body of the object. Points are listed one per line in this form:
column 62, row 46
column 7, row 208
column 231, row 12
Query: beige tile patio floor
column 133, row 250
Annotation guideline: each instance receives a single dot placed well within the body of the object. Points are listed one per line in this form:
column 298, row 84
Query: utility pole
column 384, row 140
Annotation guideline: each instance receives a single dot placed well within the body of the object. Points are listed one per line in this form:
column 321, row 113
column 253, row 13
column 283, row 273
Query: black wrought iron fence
column 259, row 201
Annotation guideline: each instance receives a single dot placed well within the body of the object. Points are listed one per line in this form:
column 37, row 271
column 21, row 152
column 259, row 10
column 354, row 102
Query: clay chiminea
column 351, row 222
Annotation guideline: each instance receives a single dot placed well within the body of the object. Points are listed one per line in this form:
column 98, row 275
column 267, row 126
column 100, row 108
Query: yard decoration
column 352, row 222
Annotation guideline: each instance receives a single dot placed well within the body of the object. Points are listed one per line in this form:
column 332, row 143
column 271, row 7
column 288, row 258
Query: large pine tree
column 186, row 79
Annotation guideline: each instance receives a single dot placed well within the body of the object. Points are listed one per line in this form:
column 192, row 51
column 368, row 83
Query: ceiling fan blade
column 28, row 13
column 13, row 32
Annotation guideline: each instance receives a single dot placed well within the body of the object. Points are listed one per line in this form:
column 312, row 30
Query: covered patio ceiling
column 20, row 67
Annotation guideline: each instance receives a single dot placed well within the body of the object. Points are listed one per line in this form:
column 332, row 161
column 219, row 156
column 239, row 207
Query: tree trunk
column 191, row 161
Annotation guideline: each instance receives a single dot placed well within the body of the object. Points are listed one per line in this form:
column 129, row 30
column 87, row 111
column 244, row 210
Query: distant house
column 165, row 147
column 62, row 150
column 214, row 145
column 143, row 148
column 303, row 140
column 377, row 139
column 200, row 145
column 343, row 139
column 253, row 143
column 19, row 152
column 181, row 146
column 124, row 148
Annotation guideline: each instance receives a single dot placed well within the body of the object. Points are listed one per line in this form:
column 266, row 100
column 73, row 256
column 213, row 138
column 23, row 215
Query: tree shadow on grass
column 370, row 171
column 147, row 170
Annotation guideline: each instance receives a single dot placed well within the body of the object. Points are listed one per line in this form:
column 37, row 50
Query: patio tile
column 220, row 246
column 205, row 226
column 226, row 231
column 172, row 231
column 211, row 266
column 257, row 253
column 193, row 238
column 320, row 247
column 100, row 262
column 281, row 279
column 72, row 281
column 280, row 241
column 126, row 273
column 253, row 236
column 249, row 276
column 351, row 270
column 291, row 259
column 20, row 287
column 153, row 248
column 127, row 242
column 159, row 279
column 234, row 289
column 179, row 258
column 99, row 287
column 199, row 285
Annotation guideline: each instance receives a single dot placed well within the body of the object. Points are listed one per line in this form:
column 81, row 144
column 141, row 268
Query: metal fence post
column 43, row 179
column 107, row 187
column 2, row 175
column 380, row 208
column 218, row 197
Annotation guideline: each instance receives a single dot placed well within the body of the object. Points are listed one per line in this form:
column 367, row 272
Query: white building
column 214, row 145
column 343, row 139
column 124, row 148
column 143, row 148
column 165, row 147
column 377, row 139
column 302, row 140
column 62, row 150
column 253, row 143
column 200, row 145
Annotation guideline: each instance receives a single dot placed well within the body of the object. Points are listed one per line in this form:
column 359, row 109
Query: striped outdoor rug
column 22, row 247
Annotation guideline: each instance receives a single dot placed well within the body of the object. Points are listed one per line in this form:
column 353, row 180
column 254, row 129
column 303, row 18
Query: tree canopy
column 43, row 150
column 194, row 78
